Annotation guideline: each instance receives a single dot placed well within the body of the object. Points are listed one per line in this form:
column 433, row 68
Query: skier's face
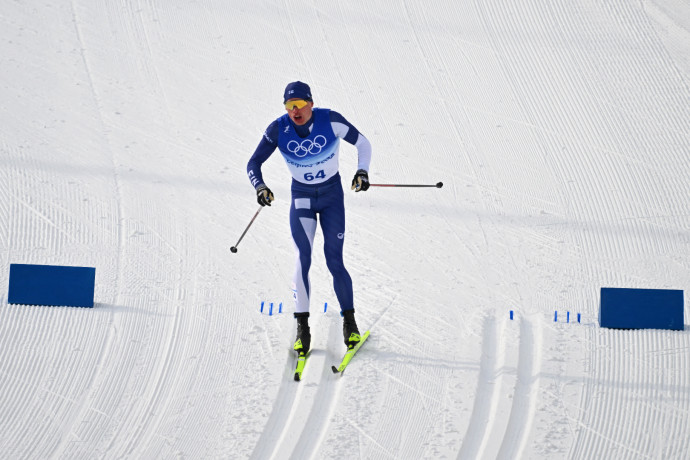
column 299, row 116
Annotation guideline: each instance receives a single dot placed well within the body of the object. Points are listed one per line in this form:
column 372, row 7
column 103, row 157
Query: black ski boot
column 350, row 331
column 303, row 340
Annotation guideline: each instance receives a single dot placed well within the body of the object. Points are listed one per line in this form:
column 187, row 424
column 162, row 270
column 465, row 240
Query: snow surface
column 560, row 130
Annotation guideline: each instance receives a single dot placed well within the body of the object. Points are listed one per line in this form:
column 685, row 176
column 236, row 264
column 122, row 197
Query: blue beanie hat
column 297, row 90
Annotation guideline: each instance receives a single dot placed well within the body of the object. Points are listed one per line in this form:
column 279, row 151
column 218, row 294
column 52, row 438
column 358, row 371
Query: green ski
column 350, row 353
column 301, row 361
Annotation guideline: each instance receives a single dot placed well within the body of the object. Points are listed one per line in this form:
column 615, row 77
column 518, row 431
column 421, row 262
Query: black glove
column 264, row 195
column 360, row 183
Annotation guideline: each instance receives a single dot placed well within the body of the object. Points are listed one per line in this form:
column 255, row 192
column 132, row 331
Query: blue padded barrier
column 623, row 308
column 51, row 285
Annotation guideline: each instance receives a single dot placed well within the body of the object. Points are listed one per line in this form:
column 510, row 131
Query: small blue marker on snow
column 555, row 316
column 567, row 317
column 511, row 315
column 262, row 306
column 270, row 310
column 280, row 307
column 325, row 307
column 578, row 317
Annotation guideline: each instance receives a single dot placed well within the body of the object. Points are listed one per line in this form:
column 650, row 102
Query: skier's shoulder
column 336, row 117
column 343, row 128
column 271, row 133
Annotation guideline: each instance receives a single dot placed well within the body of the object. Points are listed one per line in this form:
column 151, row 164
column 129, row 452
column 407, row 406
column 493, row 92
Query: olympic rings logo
column 300, row 149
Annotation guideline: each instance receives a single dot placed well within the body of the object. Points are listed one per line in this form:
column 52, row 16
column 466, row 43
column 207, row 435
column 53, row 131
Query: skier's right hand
column 264, row 196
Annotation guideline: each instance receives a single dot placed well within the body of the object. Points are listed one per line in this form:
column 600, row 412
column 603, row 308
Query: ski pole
column 234, row 248
column 439, row 185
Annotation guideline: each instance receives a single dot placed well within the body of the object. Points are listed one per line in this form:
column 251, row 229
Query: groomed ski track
column 302, row 412
column 560, row 132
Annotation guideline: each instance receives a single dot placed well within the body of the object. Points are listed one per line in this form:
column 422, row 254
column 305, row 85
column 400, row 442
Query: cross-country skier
column 308, row 139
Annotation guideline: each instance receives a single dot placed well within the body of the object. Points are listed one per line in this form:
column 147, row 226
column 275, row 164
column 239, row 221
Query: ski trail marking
column 475, row 438
column 275, row 428
column 303, row 410
column 323, row 404
column 525, row 395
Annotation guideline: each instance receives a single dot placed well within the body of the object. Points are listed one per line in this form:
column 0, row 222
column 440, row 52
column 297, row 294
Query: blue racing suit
column 311, row 154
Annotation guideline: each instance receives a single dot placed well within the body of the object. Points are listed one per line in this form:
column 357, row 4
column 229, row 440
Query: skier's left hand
column 360, row 183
